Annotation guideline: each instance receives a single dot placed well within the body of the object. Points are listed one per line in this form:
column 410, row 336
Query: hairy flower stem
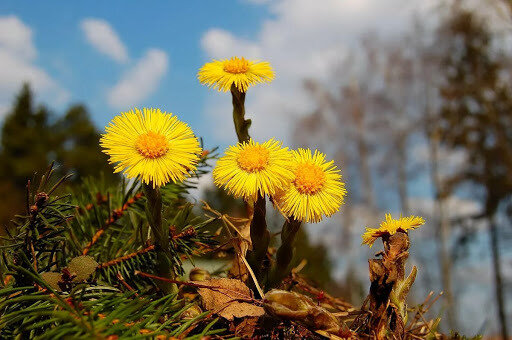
column 241, row 124
column 260, row 237
column 164, row 266
column 285, row 252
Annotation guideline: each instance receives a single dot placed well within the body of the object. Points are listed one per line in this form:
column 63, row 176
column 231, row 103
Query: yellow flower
column 151, row 144
column 316, row 189
column 390, row 226
column 250, row 169
column 243, row 73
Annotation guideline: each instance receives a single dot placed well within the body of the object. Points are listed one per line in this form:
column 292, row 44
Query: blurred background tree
column 428, row 110
column 31, row 138
column 476, row 117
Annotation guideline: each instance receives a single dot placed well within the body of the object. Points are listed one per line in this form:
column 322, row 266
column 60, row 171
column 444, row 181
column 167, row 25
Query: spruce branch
column 114, row 216
column 126, row 257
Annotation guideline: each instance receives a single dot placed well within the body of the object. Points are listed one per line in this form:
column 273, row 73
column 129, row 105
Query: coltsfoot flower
column 316, row 189
column 152, row 144
column 243, row 73
column 390, row 226
column 250, row 169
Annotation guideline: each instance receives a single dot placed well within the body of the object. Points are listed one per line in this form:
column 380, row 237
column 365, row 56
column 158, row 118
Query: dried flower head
column 390, row 226
column 243, row 73
column 151, row 144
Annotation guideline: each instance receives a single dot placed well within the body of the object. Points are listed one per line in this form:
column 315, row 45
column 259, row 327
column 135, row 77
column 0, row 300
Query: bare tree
column 476, row 116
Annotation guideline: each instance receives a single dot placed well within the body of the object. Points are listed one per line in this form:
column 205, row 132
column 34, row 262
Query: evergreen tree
column 31, row 139
column 25, row 140
column 78, row 150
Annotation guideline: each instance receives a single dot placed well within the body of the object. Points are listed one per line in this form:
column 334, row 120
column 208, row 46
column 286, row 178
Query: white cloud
column 140, row 81
column 218, row 42
column 17, row 56
column 16, row 37
column 102, row 36
column 303, row 39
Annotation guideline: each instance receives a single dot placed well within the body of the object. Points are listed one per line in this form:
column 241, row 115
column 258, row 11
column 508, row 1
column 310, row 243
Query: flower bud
column 52, row 279
column 83, row 267
column 198, row 274
column 300, row 308
column 192, row 312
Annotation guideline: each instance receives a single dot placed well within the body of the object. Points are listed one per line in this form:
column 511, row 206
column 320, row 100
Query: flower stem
column 164, row 266
column 285, row 252
column 241, row 124
column 260, row 236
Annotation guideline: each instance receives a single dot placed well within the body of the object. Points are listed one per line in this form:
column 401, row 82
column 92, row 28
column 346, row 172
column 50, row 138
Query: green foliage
column 32, row 137
column 76, row 145
column 56, row 231
column 92, row 313
column 318, row 265
column 25, row 141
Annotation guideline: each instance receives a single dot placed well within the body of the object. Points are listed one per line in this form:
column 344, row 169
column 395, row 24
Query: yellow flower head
column 151, row 144
column 243, row 73
column 250, row 169
column 316, row 188
column 390, row 226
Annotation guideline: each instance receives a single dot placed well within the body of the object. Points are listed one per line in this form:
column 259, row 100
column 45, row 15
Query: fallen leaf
column 242, row 244
column 302, row 309
column 245, row 329
column 225, row 297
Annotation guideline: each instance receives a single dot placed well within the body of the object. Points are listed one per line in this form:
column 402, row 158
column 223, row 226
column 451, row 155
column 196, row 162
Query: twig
column 226, row 221
column 124, row 283
column 33, row 255
column 115, row 215
column 420, row 311
column 188, row 232
column 198, row 285
column 126, row 257
column 336, row 302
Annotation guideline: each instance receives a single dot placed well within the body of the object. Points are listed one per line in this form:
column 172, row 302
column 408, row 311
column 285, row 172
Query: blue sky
column 156, row 49
column 175, row 28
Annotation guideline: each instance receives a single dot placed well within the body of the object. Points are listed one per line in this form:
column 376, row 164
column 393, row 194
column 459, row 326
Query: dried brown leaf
column 242, row 244
column 245, row 329
column 301, row 309
column 228, row 298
